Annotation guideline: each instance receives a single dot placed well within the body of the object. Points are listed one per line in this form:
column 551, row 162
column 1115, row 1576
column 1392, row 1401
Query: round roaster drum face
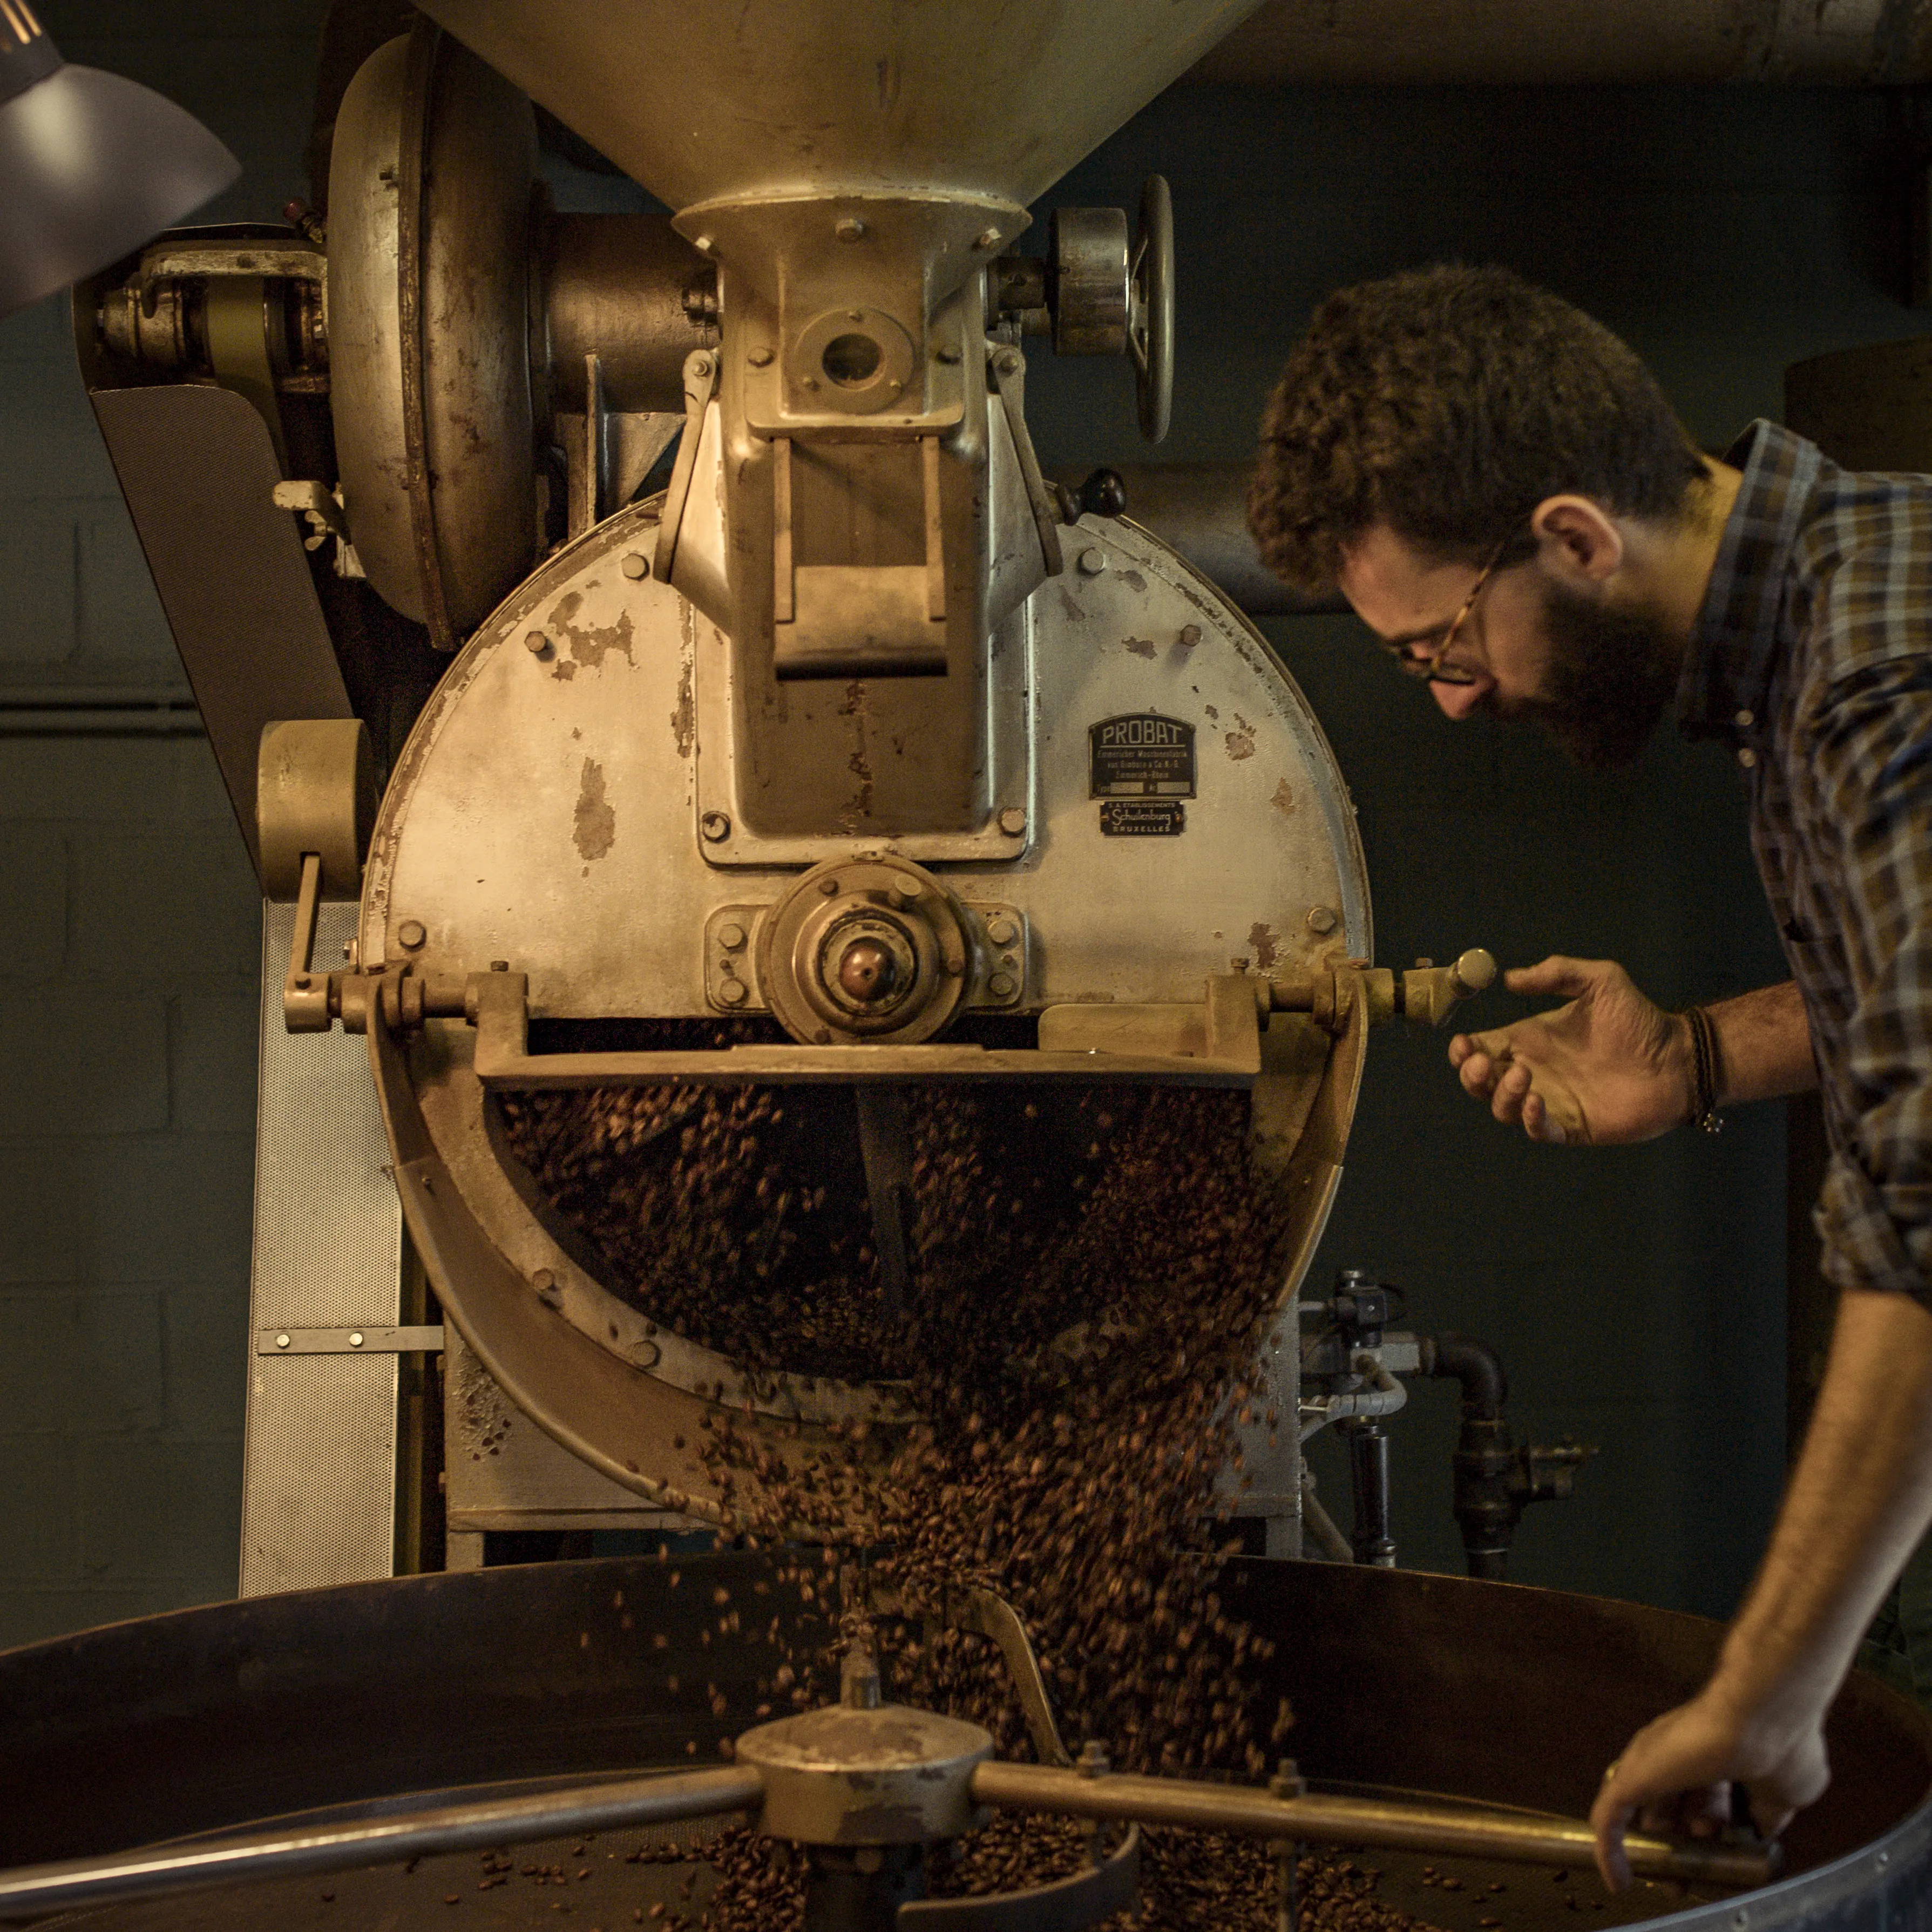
column 558, row 808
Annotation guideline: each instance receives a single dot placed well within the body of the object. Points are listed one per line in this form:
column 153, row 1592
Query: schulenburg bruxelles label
column 1141, row 754
column 1142, row 817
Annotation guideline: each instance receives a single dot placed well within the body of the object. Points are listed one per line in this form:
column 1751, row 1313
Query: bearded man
column 1497, row 485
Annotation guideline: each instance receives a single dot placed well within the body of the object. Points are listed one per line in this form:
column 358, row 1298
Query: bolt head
column 1092, row 563
column 759, row 358
column 810, row 382
column 1320, row 919
column 411, row 935
column 732, row 992
column 636, row 565
column 1012, row 821
column 535, row 642
column 829, row 886
column 702, row 243
column 987, row 240
column 1001, row 986
column 730, row 935
column 849, row 228
column 715, row 825
column 1001, row 931
column 1008, row 360
column 1190, row 635
column 500, row 965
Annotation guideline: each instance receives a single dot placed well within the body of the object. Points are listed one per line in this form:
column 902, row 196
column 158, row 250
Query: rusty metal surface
column 1401, row 1682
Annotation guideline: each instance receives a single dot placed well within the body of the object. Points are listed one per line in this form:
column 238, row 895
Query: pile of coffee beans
column 1092, row 1273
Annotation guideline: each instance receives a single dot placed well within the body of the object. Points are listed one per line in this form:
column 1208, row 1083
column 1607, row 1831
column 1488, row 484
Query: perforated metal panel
column 318, row 1482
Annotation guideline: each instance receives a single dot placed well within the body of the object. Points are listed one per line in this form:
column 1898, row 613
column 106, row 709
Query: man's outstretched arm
column 1860, row 1499
column 1610, row 1067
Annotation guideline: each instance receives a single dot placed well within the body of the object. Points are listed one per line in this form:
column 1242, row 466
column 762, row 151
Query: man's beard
column 1612, row 670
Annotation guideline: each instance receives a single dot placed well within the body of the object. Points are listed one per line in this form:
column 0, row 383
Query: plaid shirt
column 1813, row 657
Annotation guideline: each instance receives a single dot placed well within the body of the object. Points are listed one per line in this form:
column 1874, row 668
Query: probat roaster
column 650, row 664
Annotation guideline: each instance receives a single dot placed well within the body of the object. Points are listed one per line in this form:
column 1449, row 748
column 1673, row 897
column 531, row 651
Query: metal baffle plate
column 888, row 1776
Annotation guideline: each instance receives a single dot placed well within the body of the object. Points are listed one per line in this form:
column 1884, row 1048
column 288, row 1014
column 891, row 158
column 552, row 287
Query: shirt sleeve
column 1869, row 742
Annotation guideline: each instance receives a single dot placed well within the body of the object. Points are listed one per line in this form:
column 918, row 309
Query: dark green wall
column 1636, row 1295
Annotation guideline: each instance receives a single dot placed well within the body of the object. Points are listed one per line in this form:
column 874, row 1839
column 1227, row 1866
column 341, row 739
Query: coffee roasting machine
column 646, row 655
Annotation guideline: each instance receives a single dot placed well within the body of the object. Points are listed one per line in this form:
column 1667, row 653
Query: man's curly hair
column 1447, row 402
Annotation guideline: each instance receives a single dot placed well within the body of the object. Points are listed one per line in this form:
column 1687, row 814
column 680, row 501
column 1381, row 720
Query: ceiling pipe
column 1852, row 43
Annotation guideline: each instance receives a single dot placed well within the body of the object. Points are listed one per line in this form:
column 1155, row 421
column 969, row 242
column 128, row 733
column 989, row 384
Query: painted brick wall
column 130, row 948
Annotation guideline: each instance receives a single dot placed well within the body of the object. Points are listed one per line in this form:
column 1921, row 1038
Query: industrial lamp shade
column 91, row 165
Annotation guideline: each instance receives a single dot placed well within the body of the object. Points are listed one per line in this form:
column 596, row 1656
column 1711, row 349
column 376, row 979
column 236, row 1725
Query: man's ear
column 1577, row 539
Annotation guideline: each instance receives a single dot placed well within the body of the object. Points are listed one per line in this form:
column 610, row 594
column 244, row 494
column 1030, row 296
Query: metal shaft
column 1325, row 1819
column 30, row 1891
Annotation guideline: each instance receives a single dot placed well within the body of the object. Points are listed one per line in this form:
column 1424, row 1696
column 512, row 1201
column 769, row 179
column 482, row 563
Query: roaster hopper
column 849, row 758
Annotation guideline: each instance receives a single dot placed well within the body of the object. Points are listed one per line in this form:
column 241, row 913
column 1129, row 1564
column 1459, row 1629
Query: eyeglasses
column 1420, row 658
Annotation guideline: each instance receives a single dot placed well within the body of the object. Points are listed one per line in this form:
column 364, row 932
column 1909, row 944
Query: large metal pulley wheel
column 1151, row 308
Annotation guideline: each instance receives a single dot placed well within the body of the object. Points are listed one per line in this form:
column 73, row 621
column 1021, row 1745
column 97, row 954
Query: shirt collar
column 1734, row 644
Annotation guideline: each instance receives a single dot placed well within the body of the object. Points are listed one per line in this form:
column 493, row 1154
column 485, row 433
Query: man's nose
column 1458, row 700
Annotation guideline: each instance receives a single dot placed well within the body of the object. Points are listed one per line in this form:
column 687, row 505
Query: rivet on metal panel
column 715, row 825
column 759, row 358
column 411, row 935
column 849, row 229
column 281, row 1341
column 355, row 1340
column 828, row 886
column 1012, row 821
column 730, row 936
column 1000, row 985
column 1320, row 919
column 535, row 642
column 823, row 1037
column 1092, row 563
column 635, row 565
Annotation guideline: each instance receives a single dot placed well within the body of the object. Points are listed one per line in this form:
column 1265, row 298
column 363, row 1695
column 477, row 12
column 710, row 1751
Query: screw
column 500, row 965
column 1092, row 563
column 1321, row 919
column 759, row 358
column 731, row 935
column 281, row 1341
column 1012, row 821
column 1000, row 985
column 355, row 1340
column 411, row 935
column 636, row 565
column 536, row 643
column 1001, row 931
column 849, row 228
column 732, row 992
column 987, row 240
column 715, row 825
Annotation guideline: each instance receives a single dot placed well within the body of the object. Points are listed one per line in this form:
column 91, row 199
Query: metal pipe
column 1476, row 1366
column 27, row 1891
column 1526, row 42
column 1201, row 509
column 1383, row 1396
column 1323, row 1818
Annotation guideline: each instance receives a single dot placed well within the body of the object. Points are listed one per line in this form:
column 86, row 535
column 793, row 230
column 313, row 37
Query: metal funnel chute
column 784, row 97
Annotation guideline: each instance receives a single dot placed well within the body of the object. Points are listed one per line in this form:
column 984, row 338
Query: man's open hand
column 1674, row 1777
column 1609, row 1067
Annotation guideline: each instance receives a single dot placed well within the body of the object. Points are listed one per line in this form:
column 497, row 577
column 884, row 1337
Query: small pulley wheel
column 1151, row 308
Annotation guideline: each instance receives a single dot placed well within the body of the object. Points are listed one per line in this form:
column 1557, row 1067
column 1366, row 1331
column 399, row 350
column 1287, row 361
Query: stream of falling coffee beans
column 1092, row 1273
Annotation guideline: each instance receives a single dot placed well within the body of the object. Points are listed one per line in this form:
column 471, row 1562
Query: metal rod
column 30, row 1891
column 1327, row 1820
